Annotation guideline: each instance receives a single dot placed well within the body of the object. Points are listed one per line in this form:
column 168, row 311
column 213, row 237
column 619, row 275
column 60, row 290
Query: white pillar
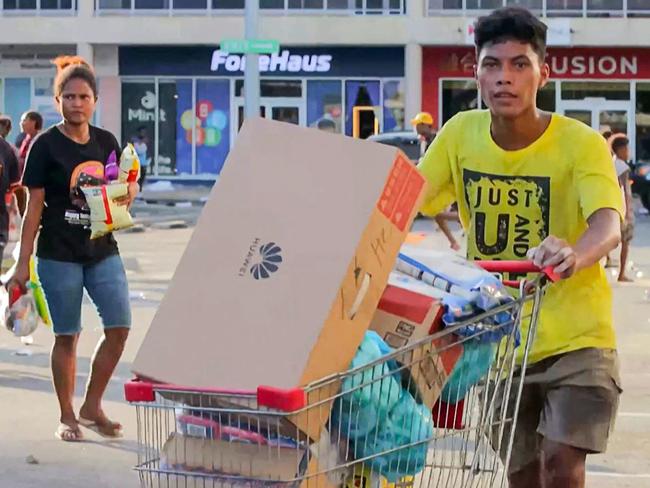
column 85, row 9
column 413, row 80
column 85, row 50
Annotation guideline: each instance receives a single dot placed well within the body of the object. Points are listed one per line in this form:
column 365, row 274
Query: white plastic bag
column 21, row 317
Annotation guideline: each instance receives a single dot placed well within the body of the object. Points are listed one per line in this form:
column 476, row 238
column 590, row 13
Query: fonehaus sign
column 290, row 61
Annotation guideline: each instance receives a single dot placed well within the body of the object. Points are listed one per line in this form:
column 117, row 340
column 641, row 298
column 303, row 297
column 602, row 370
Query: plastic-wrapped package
column 468, row 291
column 129, row 165
column 105, row 215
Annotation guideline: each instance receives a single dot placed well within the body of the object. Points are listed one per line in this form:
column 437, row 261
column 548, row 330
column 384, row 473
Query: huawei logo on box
column 261, row 261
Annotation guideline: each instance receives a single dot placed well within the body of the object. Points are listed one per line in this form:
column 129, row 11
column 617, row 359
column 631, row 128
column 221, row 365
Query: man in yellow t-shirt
column 531, row 184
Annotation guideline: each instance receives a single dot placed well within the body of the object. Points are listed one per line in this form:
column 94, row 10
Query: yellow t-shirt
column 509, row 201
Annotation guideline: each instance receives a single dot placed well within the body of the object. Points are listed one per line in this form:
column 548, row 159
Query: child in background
column 621, row 150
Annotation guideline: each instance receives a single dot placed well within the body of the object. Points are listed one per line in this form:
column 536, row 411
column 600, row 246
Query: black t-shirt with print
column 53, row 157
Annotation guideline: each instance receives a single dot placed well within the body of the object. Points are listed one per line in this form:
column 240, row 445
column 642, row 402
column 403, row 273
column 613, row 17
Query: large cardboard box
column 287, row 263
column 407, row 313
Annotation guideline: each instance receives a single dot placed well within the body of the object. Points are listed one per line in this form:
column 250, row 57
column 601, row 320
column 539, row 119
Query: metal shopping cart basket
column 197, row 438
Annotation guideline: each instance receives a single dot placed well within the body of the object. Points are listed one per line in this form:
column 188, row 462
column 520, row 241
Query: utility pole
column 252, row 71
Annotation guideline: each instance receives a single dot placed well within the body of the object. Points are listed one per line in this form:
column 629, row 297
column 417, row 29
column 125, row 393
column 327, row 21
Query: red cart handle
column 139, row 390
column 520, row 267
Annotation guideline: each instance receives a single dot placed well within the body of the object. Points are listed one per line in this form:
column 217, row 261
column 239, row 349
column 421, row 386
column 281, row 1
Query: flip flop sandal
column 97, row 429
column 61, row 431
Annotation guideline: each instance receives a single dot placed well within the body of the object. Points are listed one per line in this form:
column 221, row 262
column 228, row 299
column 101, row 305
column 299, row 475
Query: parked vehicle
column 407, row 141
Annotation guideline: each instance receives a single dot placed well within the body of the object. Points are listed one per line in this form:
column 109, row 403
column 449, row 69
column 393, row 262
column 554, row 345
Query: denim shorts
column 64, row 282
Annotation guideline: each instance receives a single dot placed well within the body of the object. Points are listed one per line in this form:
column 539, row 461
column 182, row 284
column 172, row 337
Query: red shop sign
column 570, row 63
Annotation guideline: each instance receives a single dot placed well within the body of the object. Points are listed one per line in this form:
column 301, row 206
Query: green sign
column 249, row 46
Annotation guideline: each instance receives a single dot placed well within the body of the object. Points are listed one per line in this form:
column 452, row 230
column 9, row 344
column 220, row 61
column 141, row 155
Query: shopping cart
column 197, row 438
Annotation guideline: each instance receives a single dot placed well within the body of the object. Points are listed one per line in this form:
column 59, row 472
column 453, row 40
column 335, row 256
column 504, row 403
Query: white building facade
column 359, row 66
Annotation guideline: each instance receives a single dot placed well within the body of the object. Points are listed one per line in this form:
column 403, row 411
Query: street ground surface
column 31, row 457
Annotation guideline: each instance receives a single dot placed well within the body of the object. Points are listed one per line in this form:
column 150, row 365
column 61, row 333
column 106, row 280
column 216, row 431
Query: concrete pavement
column 29, row 412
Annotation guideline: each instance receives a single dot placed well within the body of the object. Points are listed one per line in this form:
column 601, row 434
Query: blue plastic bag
column 377, row 414
column 473, row 364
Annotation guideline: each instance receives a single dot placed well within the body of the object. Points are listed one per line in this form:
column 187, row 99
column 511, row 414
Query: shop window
column 151, row 4
column 43, row 87
column 643, row 122
column 458, row 96
column 56, row 4
column 564, row 8
column 325, row 105
column 213, row 125
column 339, row 4
column 641, row 7
column 393, row 106
column 18, row 99
column 272, row 4
column 546, row 97
column 445, row 4
column 175, row 126
column 139, row 115
column 306, row 4
column 579, row 90
column 19, row 4
column 484, row 4
column 190, row 4
column 605, row 8
column 114, row 4
column 364, row 97
column 227, row 4
column 274, row 88
column 529, row 4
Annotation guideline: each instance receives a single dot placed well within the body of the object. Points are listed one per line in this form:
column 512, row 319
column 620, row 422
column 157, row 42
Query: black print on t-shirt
column 509, row 214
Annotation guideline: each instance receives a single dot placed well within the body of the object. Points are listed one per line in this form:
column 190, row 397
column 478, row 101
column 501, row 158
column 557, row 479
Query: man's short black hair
column 36, row 118
column 619, row 142
column 511, row 24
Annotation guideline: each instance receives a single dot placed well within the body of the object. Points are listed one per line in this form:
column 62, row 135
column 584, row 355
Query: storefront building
column 606, row 88
column 189, row 99
column 26, row 77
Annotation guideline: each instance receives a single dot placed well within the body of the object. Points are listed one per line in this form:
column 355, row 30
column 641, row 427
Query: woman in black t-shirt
column 67, row 259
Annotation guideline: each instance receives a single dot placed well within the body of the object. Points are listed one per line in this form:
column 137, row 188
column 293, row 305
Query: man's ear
column 546, row 75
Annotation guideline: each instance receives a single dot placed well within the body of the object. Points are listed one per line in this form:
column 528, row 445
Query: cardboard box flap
column 267, row 258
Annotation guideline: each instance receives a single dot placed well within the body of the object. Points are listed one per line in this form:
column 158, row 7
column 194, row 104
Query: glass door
column 290, row 110
column 600, row 114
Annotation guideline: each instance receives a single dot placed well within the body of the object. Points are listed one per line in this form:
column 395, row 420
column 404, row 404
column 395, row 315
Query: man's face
column 28, row 125
column 424, row 130
column 623, row 153
column 509, row 75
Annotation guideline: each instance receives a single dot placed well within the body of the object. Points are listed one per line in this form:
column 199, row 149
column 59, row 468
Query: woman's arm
column 31, row 224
